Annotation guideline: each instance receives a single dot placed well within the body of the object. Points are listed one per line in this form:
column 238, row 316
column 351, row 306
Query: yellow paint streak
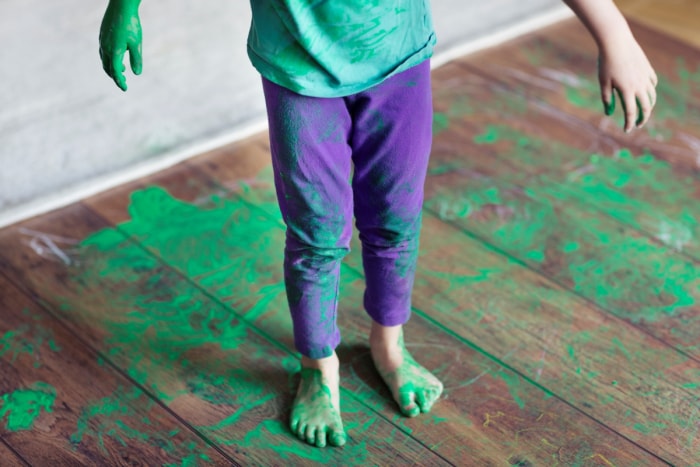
column 548, row 444
column 487, row 415
column 601, row 457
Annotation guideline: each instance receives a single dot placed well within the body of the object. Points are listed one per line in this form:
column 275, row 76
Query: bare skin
column 414, row 388
column 316, row 409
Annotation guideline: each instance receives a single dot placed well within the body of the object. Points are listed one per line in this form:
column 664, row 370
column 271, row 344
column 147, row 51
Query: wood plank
column 532, row 340
column 9, row 458
column 631, row 382
column 554, row 71
column 677, row 18
column 230, row 382
column 563, row 186
column 478, row 387
column 61, row 406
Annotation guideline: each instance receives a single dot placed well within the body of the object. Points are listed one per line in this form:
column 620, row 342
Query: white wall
column 66, row 130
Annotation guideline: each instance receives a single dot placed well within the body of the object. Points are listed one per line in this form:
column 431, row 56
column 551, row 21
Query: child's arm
column 121, row 31
column 623, row 66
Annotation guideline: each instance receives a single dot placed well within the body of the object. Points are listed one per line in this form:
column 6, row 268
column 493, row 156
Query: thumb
column 135, row 58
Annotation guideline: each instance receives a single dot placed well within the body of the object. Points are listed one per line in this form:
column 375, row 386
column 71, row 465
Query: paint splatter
column 28, row 339
column 23, row 406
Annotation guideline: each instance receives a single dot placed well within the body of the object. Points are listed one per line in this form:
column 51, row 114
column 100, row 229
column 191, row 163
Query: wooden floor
column 557, row 296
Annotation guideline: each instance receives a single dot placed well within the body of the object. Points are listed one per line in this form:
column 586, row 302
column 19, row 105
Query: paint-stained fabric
column 385, row 132
column 332, row 48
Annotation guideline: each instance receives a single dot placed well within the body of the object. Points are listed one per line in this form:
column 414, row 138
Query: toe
column 429, row 398
column 337, row 438
column 310, row 434
column 294, row 424
column 422, row 400
column 301, row 430
column 321, row 438
column 408, row 403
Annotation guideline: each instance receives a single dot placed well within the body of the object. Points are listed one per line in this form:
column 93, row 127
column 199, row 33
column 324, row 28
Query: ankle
column 329, row 364
column 385, row 337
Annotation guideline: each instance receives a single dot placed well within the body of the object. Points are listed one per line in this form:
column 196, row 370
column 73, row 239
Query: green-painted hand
column 121, row 31
column 623, row 68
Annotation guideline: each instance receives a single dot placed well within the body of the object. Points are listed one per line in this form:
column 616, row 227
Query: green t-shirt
column 332, row 48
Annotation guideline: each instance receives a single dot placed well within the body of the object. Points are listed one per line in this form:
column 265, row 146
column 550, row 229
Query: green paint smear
column 514, row 384
column 23, row 406
column 235, row 253
column 120, row 417
column 28, row 339
column 639, row 279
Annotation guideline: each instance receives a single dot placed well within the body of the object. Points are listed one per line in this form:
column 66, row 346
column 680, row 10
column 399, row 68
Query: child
column 347, row 83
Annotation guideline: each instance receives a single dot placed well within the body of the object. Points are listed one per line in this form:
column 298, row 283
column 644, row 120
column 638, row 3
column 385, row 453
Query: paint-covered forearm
column 121, row 31
column 622, row 66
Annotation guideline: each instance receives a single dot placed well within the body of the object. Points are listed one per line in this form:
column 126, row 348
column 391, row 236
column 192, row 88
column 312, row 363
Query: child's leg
column 391, row 142
column 312, row 164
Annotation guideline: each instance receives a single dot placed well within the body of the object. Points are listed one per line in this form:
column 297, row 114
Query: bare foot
column 316, row 410
column 414, row 388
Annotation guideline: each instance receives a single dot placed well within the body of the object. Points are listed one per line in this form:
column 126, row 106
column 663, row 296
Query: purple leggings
column 386, row 132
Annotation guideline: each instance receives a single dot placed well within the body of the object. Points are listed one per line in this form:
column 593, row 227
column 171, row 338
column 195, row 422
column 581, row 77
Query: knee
column 398, row 234
column 315, row 249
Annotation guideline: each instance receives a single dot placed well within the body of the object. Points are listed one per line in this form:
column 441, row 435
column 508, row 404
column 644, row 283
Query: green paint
column 28, row 339
column 440, row 123
column 650, row 428
column 122, row 417
column 111, row 417
column 621, row 347
column 637, row 190
column 490, row 136
column 414, row 388
column 316, row 411
column 514, row 384
column 121, row 31
column 23, row 406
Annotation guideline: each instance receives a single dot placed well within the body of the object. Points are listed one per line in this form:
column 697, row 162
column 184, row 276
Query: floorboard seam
column 42, row 305
column 19, row 456
column 644, row 233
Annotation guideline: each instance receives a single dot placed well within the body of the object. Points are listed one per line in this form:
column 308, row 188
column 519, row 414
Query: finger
column 654, row 79
column 606, row 91
column 652, row 96
column 644, row 109
column 106, row 63
column 629, row 105
column 135, row 58
column 118, row 70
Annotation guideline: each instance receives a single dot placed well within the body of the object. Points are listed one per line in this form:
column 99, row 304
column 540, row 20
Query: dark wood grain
column 465, row 412
column 81, row 411
column 9, row 458
column 542, row 181
column 232, row 383
column 555, row 296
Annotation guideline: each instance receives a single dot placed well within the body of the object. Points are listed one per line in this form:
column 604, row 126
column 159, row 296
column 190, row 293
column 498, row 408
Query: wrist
column 125, row 5
column 614, row 32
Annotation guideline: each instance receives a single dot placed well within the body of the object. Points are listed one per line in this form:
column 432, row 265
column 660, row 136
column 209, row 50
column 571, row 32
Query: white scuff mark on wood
column 47, row 245
column 674, row 234
column 541, row 362
column 561, row 76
